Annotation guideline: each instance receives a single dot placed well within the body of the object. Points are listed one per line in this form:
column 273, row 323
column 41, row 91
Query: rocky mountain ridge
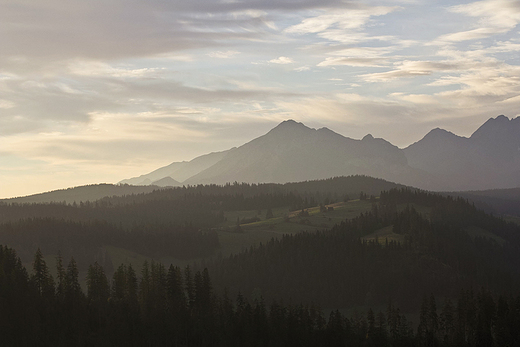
column 292, row 152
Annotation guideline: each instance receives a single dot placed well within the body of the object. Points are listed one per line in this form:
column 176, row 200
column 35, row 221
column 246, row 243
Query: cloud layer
column 103, row 90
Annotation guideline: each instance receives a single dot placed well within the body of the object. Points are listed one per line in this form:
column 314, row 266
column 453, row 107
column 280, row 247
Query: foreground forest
column 180, row 308
column 409, row 268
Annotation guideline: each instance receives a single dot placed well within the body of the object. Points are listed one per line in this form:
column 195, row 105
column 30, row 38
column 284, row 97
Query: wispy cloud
column 223, row 54
column 412, row 69
column 494, row 17
column 282, row 60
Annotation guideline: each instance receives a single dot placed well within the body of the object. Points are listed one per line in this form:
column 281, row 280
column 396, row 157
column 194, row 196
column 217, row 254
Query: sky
column 96, row 91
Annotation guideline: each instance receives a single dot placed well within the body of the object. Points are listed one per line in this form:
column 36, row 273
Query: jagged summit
column 290, row 127
column 289, row 122
column 497, row 128
column 489, row 158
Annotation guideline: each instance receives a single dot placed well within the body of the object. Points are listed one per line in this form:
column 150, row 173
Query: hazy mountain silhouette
column 178, row 171
column 490, row 158
column 91, row 192
column 167, row 182
column 293, row 152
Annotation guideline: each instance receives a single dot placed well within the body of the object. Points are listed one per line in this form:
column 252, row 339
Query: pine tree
column 190, row 288
column 98, row 289
column 72, row 287
column 41, row 278
column 61, row 277
column 447, row 322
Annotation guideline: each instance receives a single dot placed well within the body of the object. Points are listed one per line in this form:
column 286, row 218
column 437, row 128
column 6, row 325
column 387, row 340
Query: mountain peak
column 437, row 132
column 497, row 128
column 288, row 127
column 367, row 137
column 290, row 123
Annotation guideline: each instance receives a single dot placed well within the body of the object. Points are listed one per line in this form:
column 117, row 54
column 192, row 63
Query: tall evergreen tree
column 41, row 277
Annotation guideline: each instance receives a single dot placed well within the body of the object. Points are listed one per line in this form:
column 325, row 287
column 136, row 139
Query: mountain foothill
column 292, row 152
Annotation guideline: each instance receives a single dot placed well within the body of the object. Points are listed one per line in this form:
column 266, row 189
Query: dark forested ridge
column 85, row 240
column 91, row 192
column 126, row 194
column 496, row 201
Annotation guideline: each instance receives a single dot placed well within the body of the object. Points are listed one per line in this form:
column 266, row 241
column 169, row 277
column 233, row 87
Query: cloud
column 114, row 29
column 6, row 104
column 408, row 69
column 282, row 60
column 149, row 82
column 350, row 19
column 40, row 104
column 495, row 17
column 222, row 54
column 98, row 68
column 302, row 68
column 359, row 56
column 370, row 62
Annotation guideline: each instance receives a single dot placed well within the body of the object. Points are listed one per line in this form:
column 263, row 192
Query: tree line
column 85, row 241
column 174, row 307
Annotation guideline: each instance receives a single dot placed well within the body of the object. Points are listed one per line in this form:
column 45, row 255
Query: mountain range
column 291, row 152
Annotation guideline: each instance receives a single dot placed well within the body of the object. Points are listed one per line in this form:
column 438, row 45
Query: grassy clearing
column 283, row 222
column 479, row 232
column 384, row 234
column 514, row 219
column 286, row 221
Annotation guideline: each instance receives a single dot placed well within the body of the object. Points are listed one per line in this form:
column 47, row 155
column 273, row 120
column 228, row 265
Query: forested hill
column 125, row 194
column 496, row 201
column 410, row 245
column 91, row 192
column 178, row 222
column 336, row 188
column 171, row 307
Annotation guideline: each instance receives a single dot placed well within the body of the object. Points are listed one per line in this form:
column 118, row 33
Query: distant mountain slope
column 293, row 152
column 496, row 201
column 490, row 158
column 83, row 193
column 179, row 171
column 166, row 182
